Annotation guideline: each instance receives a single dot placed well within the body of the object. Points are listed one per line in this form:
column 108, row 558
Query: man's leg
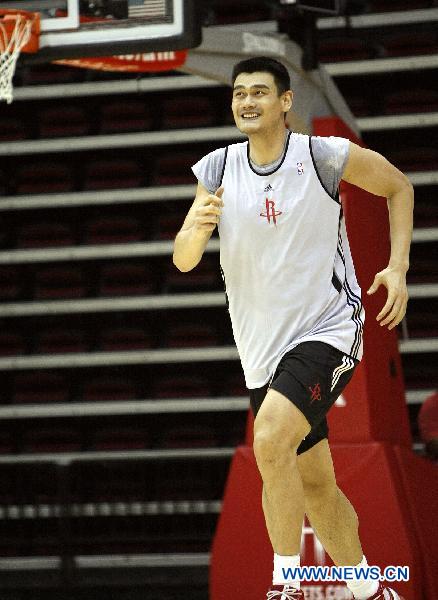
column 333, row 518
column 330, row 513
column 279, row 429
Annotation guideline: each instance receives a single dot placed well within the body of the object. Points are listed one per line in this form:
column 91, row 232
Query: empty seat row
column 123, row 432
column 99, row 336
column 65, row 439
column 106, row 280
column 419, row 100
column 116, row 116
column 101, row 535
column 114, row 225
column 422, row 321
column 360, row 46
column 41, row 387
column 421, row 157
column 100, row 230
column 373, row 6
column 38, row 177
column 131, row 278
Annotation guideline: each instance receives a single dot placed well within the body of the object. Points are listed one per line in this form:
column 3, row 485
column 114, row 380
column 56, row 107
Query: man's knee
column 279, row 429
column 271, row 448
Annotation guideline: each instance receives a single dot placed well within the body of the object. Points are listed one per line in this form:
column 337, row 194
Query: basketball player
column 294, row 302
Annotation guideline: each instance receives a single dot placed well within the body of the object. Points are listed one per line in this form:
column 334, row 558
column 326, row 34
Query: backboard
column 85, row 28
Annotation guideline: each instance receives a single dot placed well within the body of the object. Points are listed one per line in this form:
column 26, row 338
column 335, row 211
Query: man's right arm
column 197, row 228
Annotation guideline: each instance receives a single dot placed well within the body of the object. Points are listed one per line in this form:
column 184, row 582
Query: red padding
column 369, row 474
column 420, row 483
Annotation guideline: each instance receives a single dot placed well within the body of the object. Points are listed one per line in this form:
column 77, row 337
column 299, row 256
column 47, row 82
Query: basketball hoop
column 19, row 31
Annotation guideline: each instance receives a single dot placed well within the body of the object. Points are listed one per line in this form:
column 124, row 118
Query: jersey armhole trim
column 223, row 167
column 336, row 197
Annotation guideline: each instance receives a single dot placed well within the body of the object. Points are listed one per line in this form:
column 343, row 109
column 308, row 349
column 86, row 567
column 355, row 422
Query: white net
column 10, row 46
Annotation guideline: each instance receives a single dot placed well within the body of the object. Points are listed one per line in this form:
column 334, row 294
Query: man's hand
column 395, row 307
column 192, row 238
column 208, row 212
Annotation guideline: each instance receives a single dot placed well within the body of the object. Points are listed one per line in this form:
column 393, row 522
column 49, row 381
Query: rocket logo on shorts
column 315, row 392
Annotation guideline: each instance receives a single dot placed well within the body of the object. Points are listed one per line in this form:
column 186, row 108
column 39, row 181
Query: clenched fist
column 208, row 211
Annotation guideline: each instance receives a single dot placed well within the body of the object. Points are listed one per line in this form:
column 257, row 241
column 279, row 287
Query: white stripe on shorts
column 346, row 365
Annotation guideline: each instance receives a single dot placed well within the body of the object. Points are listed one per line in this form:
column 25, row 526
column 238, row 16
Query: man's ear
column 288, row 97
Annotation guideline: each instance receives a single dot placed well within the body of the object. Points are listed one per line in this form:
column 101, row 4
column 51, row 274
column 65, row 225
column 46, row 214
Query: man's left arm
column 372, row 172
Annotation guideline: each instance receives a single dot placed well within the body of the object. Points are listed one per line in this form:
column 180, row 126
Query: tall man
column 294, row 302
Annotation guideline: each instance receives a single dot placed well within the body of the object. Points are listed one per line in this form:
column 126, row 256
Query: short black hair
column 266, row 64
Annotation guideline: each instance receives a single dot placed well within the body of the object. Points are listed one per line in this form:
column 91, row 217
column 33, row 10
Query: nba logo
column 300, row 168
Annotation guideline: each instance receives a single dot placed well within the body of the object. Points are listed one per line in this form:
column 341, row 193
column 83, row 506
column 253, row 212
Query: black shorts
column 312, row 376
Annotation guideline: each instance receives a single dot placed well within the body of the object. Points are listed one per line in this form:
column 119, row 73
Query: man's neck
column 267, row 148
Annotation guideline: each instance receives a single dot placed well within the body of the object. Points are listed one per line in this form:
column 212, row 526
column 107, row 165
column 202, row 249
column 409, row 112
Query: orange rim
column 8, row 21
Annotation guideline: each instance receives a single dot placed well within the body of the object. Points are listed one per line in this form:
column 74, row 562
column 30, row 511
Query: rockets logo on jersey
column 271, row 213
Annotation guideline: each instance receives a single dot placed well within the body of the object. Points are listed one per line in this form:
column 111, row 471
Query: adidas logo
column 268, row 188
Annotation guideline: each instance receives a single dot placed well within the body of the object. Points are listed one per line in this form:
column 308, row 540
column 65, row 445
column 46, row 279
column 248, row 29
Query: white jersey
column 286, row 261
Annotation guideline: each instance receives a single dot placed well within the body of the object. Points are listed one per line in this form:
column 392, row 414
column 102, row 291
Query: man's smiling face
column 256, row 105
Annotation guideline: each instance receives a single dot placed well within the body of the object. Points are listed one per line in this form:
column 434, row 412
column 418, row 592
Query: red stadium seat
column 395, row 5
column 114, row 230
column 10, row 283
column 411, row 43
column 63, row 121
column 425, row 214
column 235, row 386
column 184, row 112
column 48, row 73
column 59, row 282
column 4, row 180
column 189, row 436
column 58, row 341
column 125, row 338
column 44, row 235
column 6, row 447
column 12, row 128
column 205, row 276
column 175, row 169
column 183, row 387
column 124, row 116
column 411, row 101
column 338, row 49
column 12, row 343
column 360, row 105
column 169, row 225
column 39, row 387
column 108, row 388
column 195, row 334
column 126, row 280
column 60, row 439
column 43, row 177
column 112, row 173
column 120, row 439
column 414, row 159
